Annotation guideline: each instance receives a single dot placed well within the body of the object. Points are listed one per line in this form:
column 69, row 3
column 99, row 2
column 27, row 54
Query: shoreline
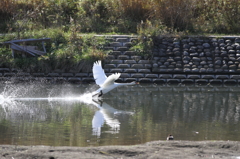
column 153, row 149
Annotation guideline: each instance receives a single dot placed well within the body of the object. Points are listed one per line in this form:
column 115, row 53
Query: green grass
column 66, row 51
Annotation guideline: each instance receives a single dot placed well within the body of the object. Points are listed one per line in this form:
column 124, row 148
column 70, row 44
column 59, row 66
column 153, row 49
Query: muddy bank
column 155, row 149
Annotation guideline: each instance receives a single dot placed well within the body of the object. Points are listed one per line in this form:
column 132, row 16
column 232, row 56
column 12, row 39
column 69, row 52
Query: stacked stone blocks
column 187, row 60
column 197, row 55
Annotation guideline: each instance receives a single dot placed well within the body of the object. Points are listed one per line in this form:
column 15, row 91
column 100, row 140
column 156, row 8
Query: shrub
column 175, row 14
column 218, row 16
column 121, row 16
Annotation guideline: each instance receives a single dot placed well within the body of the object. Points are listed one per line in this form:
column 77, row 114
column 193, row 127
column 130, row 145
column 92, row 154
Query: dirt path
column 150, row 150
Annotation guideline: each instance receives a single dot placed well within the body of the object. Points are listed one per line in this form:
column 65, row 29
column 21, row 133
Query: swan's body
column 106, row 83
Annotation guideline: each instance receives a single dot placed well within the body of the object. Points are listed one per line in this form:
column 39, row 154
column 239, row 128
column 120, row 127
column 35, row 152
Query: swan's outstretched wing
column 110, row 80
column 98, row 73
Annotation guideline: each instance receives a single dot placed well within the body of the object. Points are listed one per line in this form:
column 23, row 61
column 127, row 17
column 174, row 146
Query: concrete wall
column 186, row 60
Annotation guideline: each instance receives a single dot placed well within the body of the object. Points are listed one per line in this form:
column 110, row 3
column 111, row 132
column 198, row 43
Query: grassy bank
column 65, row 22
column 67, row 51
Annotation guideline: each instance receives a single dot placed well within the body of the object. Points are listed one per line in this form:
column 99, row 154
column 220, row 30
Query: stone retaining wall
column 187, row 60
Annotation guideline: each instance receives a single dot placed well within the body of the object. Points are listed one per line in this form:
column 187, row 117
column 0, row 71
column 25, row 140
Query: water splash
column 85, row 98
column 10, row 100
column 4, row 99
column 16, row 100
column 14, row 107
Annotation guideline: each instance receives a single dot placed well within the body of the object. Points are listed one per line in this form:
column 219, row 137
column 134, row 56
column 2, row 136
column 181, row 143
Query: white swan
column 106, row 83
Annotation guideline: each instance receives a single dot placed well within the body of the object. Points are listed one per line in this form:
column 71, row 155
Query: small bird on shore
column 170, row 137
column 106, row 83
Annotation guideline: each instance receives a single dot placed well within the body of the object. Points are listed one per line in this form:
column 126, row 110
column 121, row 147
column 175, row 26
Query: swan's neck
column 125, row 84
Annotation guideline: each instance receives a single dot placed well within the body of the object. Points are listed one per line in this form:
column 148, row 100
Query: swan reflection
column 37, row 108
column 106, row 114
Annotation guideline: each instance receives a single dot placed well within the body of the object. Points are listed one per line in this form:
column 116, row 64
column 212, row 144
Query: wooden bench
column 26, row 49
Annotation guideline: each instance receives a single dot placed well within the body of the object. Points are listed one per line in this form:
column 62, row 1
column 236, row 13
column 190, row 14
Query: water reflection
column 65, row 115
column 106, row 114
column 17, row 108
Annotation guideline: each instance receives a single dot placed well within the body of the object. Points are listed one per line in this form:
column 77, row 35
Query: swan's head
column 134, row 82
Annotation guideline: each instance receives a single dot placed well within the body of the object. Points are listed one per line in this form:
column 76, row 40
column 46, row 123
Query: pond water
column 66, row 115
